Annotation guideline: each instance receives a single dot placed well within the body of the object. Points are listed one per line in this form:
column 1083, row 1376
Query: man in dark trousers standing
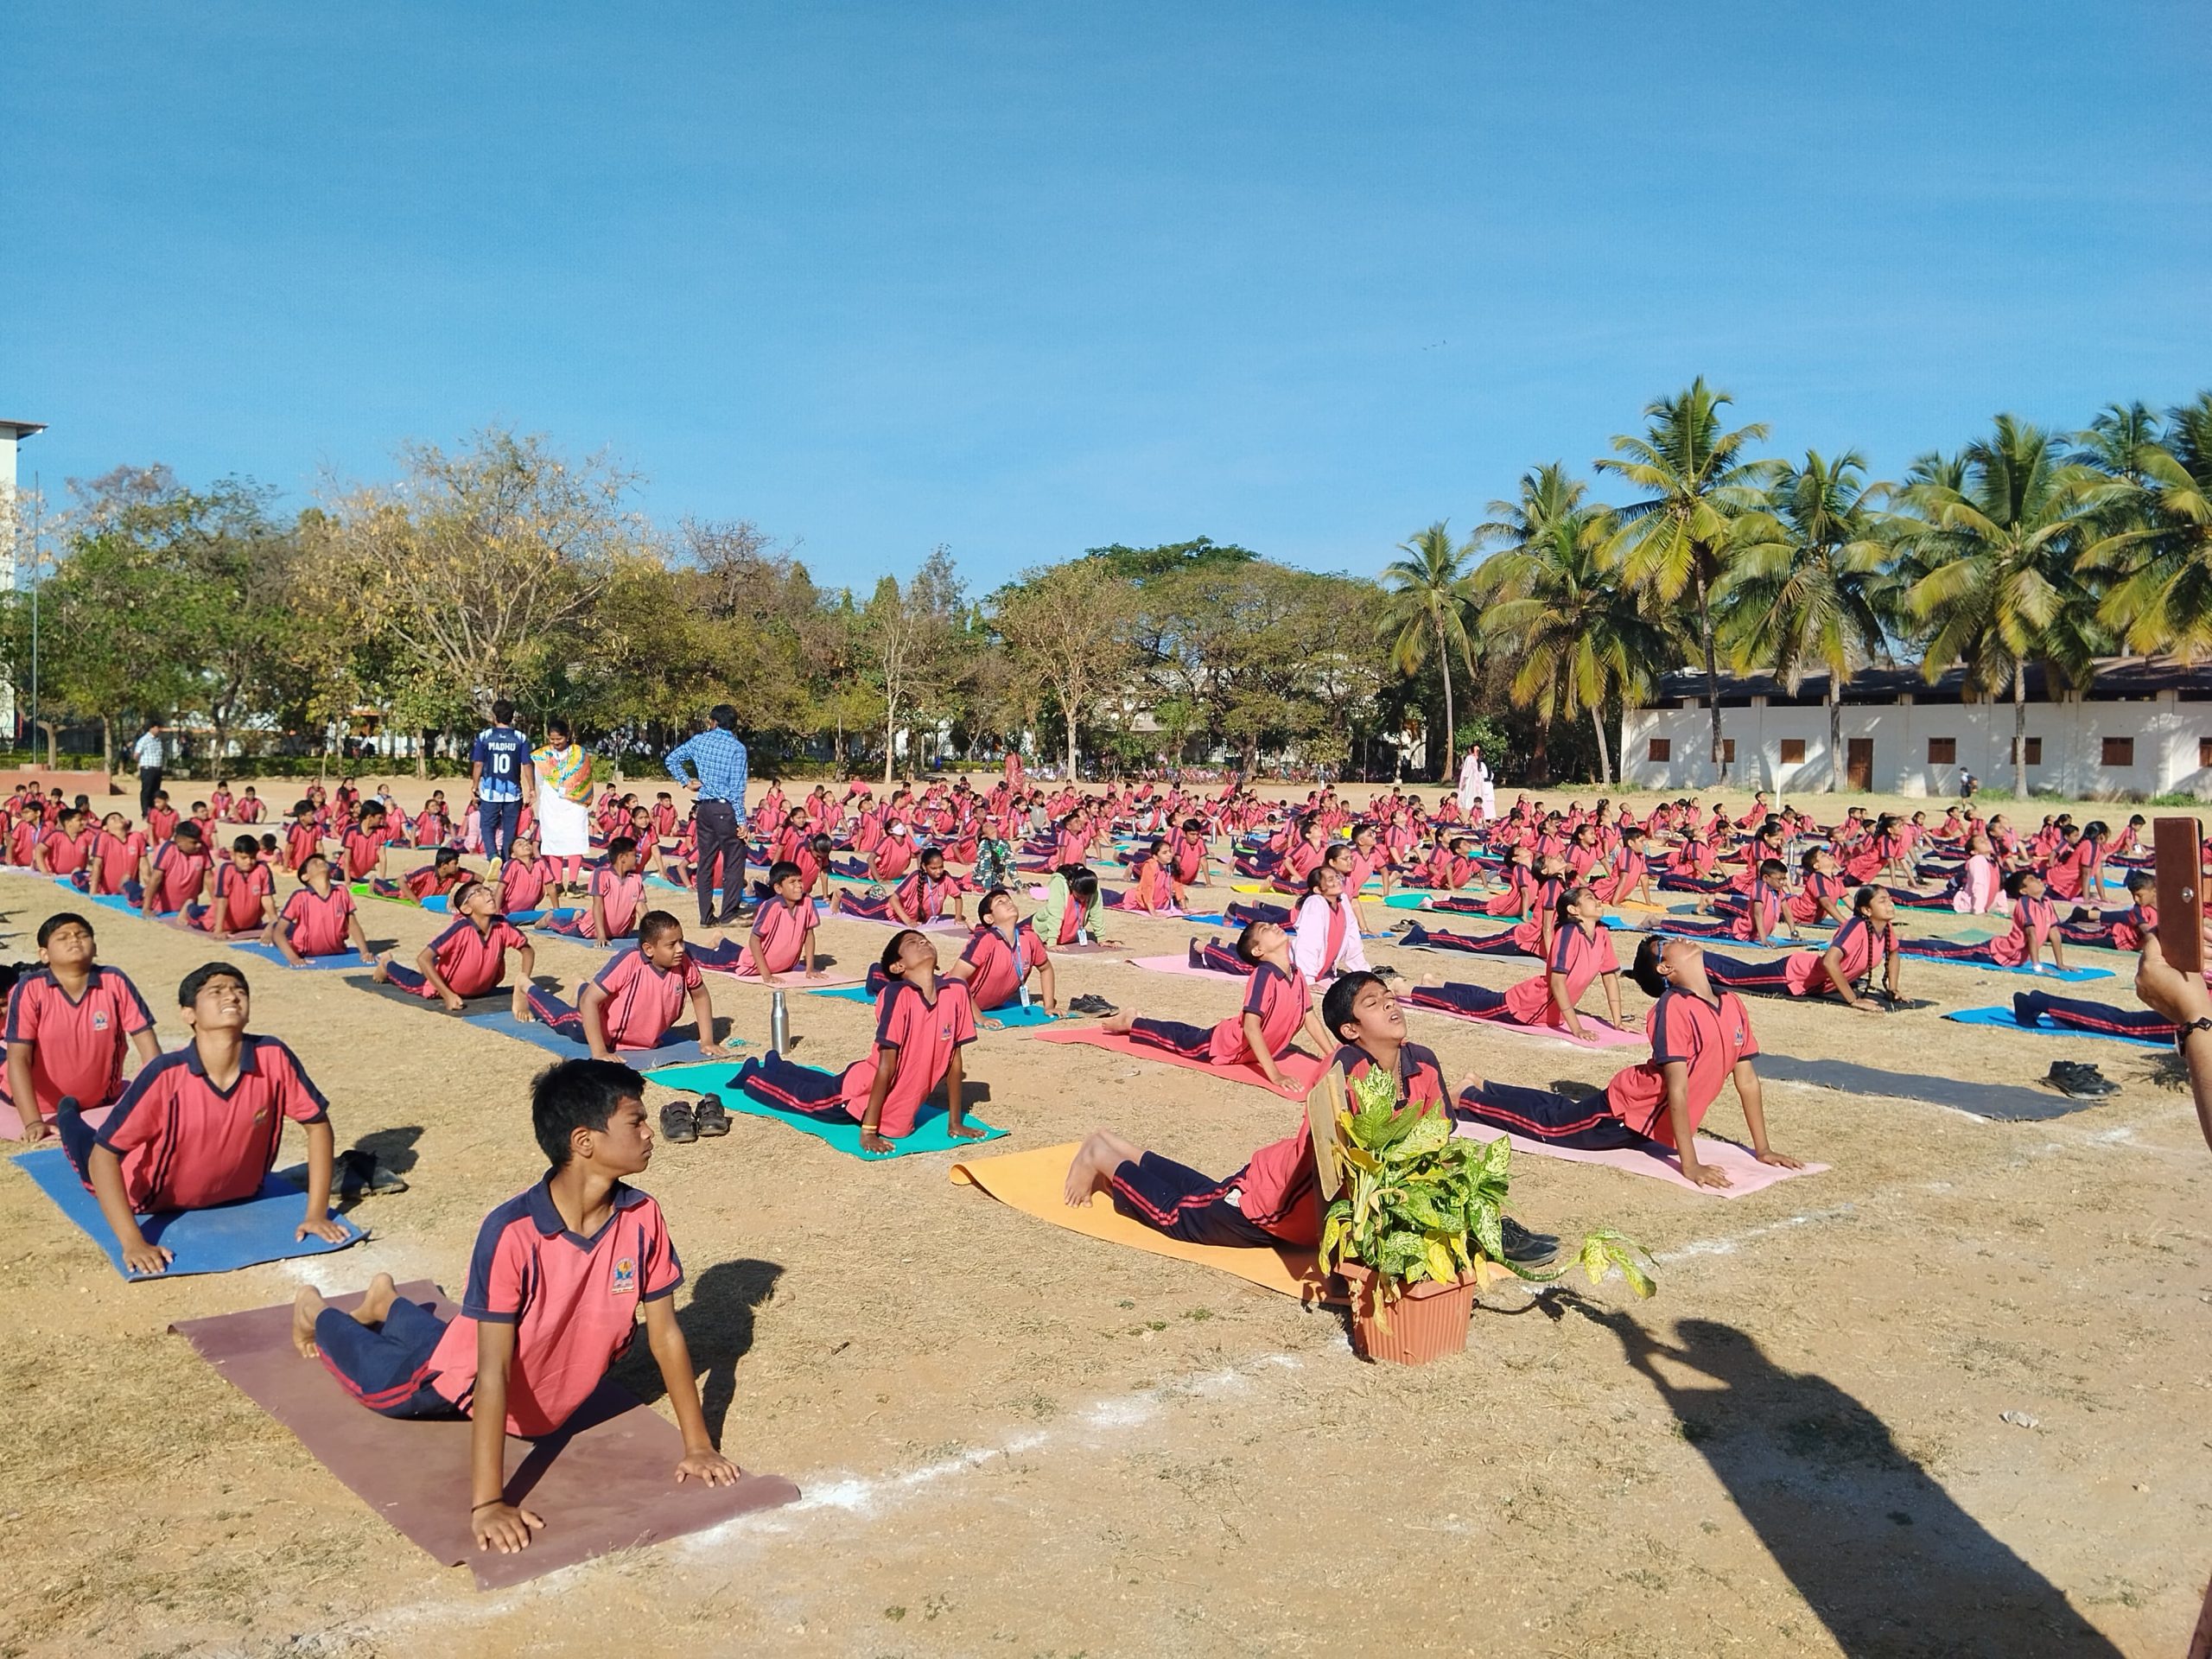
column 148, row 753
column 718, row 759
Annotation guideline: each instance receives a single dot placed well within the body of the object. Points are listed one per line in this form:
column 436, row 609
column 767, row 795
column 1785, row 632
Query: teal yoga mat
column 720, row 1077
column 217, row 1240
column 1012, row 1014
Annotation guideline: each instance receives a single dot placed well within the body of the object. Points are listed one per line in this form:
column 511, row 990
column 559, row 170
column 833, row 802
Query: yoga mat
column 2003, row 1020
column 607, row 1483
column 679, row 1051
column 2005, row 1102
column 231, row 1236
column 116, row 901
column 1031, row 1182
column 1407, row 901
column 842, row 1132
column 1602, row 1035
column 936, row 925
column 832, row 978
column 1012, row 1014
column 270, row 953
column 1746, row 1174
column 2071, row 976
column 1301, row 1069
column 1180, row 966
column 499, row 997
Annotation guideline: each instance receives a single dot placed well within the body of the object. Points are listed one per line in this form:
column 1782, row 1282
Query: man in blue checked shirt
column 718, row 759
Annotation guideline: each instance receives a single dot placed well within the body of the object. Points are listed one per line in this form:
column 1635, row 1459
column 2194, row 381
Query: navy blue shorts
column 1179, row 1202
column 385, row 1366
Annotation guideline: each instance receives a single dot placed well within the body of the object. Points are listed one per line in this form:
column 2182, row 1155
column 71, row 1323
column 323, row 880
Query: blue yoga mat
column 436, row 902
column 2071, row 976
column 2003, row 1020
column 270, row 953
column 232, row 1235
column 116, row 901
column 841, row 1133
column 684, row 1052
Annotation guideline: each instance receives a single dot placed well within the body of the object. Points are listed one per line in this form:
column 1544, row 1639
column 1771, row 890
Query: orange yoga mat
column 1031, row 1182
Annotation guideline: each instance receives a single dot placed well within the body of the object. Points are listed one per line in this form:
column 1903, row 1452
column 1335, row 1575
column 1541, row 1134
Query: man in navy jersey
column 500, row 769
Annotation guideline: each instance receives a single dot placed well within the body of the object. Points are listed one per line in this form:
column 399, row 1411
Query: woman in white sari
column 563, row 791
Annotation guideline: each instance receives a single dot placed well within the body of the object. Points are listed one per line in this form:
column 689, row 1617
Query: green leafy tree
column 1812, row 583
column 1579, row 637
column 1696, row 479
column 1067, row 627
column 2157, row 550
column 1428, row 606
column 1998, row 555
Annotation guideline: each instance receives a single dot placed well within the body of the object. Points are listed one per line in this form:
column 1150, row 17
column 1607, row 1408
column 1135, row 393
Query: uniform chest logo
column 100, row 1019
column 625, row 1276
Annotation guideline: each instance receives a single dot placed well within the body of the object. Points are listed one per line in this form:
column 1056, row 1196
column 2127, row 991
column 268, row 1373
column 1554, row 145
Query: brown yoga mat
column 607, row 1483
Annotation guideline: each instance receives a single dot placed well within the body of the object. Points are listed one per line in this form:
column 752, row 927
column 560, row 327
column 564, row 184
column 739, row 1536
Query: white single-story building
column 2143, row 729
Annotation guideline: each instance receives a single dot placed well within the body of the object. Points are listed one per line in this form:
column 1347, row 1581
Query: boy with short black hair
column 632, row 1002
column 173, row 878
column 200, row 1127
column 68, row 1021
column 244, row 897
column 556, row 1284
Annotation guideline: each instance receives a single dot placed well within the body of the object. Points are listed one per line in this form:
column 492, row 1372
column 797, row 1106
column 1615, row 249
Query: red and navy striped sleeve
column 1668, row 1036
column 892, row 1018
column 1256, row 993
column 503, row 1267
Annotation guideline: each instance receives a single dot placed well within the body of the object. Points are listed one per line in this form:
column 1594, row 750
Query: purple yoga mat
column 607, row 1483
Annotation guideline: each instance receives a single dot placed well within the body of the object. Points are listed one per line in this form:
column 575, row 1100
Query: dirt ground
column 1014, row 1439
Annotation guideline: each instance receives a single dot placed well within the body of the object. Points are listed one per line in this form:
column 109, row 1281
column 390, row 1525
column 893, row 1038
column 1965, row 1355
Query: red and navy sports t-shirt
column 1277, row 1190
column 178, row 876
column 186, row 1144
column 779, row 933
column 924, row 1035
column 315, row 923
column 77, row 1048
column 642, row 1000
column 1576, row 957
column 573, row 1302
column 1000, row 968
column 1857, row 943
column 1280, row 999
column 472, row 962
column 1708, row 1038
column 238, row 897
column 620, row 897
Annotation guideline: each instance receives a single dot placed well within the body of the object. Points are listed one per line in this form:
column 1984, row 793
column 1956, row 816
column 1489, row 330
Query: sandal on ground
column 711, row 1116
column 678, row 1123
column 360, row 1176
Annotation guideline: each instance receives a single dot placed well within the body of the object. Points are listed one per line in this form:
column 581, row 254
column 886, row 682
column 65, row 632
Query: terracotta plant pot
column 1428, row 1320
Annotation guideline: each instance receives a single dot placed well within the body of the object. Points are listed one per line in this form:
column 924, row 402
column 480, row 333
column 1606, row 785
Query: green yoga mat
column 1012, row 1013
column 719, row 1077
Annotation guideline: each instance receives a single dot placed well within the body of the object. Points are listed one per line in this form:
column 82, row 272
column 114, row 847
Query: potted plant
column 1416, row 1226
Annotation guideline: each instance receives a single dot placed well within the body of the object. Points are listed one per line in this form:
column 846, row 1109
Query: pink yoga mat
column 1302, row 1069
column 1746, row 1174
column 609, row 1484
column 791, row 980
column 1181, row 967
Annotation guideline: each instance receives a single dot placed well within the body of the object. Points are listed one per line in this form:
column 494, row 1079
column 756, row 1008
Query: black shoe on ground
column 711, row 1116
column 2079, row 1079
column 360, row 1176
column 1529, row 1249
column 678, row 1123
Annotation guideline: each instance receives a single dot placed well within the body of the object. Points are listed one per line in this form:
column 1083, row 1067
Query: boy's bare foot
column 1100, row 1153
column 305, row 1307
column 378, row 973
column 375, row 1303
column 1118, row 1024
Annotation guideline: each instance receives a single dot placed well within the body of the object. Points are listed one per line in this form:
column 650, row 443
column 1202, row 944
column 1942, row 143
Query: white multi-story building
column 2143, row 729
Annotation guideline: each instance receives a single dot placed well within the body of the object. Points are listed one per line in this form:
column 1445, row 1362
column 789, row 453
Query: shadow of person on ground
column 1892, row 1566
column 717, row 1326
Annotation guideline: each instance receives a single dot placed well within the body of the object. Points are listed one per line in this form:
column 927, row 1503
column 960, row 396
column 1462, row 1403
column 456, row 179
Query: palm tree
column 1813, row 586
column 1996, row 557
column 1580, row 636
column 2116, row 439
column 1680, row 539
column 1429, row 597
column 2159, row 556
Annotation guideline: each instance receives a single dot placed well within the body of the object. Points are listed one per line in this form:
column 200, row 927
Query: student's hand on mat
column 1779, row 1160
column 143, row 1257
column 36, row 1130
column 454, row 1004
column 504, row 1527
column 965, row 1131
column 369, row 956
column 990, row 1024
column 710, row 1466
column 1707, row 1175
column 873, row 1142
column 328, row 1229
column 714, row 1051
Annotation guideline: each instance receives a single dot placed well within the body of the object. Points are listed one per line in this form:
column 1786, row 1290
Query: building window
column 1727, row 751
column 1662, row 749
column 2119, row 752
column 1942, row 751
column 1793, row 751
column 2034, row 757
column 2204, row 751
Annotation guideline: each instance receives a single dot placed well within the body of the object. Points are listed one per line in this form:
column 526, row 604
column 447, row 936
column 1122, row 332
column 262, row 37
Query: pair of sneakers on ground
column 686, row 1121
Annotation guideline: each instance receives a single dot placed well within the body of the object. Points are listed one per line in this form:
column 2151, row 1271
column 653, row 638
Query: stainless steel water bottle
column 779, row 1023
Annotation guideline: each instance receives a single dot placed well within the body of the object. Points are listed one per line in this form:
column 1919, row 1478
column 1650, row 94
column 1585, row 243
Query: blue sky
column 1027, row 279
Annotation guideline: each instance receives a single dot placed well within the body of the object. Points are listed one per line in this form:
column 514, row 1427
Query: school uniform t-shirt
column 1000, row 968
column 924, row 1036
column 643, row 1001
column 238, row 898
column 186, row 1144
column 1280, row 999
column 316, row 922
column 573, row 1302
column 620, row 897
column 1278, row 1191
column 1708, row 1038
column 177, row 876
column 473, row 963
column 779, row 933
column 78, row 1047
column 1856, row 945
column 1579, row 957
